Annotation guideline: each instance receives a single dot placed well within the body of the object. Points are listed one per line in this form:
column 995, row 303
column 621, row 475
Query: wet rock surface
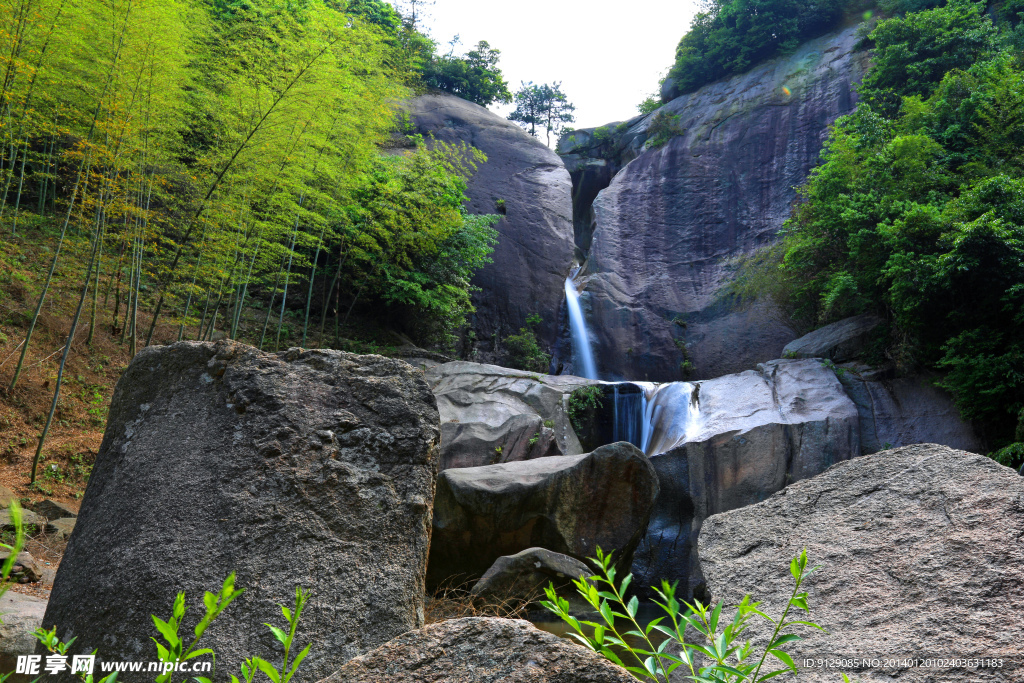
column 921, row 558
column 673, row 219
column 567, row 504
column 752, row 434
column 535, row 246
column 310, row 468
column 480, row 650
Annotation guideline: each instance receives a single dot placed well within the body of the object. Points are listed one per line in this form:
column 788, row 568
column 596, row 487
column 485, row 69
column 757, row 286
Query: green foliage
column 524, row 352
column 411, row 247
column 544, row 106
column 917, row 214
column 220, row 153
column 650, row 104
column 731, row 36
column 913, row 53
column 722, row 656
column 175, row 649
column 663, row 127
column 581, row 402
column 1011, row 456
column 474, row 77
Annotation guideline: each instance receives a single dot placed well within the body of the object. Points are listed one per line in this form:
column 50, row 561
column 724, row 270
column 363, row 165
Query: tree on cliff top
column 474, row 77
column 542, row 105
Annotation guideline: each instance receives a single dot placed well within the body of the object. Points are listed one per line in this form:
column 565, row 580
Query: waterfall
column 671, row 417
column 656, row 417
column 628, row 410
column 585, row 366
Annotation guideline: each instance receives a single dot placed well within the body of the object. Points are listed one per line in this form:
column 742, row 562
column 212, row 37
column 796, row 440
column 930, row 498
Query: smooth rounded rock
column 569, row 504
column 528, row 185
column 524, row 576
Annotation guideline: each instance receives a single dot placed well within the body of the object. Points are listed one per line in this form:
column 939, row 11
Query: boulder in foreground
column 921, row 559
column 311, row 468
column 480, row 650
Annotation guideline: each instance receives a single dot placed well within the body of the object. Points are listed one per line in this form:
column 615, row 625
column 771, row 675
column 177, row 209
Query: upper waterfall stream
column 655, row 419
column 578, row 325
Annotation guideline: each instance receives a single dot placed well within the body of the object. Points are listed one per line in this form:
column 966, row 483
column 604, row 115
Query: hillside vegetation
column 729, row 37
column 197, row 169
column 917, row 213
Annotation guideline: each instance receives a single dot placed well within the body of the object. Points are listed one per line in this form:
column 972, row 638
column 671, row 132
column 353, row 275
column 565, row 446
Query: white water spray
column 671, row 416
column 578, row 325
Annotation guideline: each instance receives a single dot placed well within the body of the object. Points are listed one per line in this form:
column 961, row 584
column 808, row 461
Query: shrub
column 581, row 402
column 663, row 128
column 731, row 659
column 524, row 352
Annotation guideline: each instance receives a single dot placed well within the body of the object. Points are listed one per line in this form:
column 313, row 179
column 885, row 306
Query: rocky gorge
column 710, row 446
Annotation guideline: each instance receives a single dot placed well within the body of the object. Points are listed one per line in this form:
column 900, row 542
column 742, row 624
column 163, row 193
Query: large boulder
column 475, row 444
column 569, row 504
column 480, row 650
column 490, row 395
column 839, row 342
column 725, row 443
column 901, row 411
column 673, row 221
column 921, row 561
column 309, row 468
column 528, row 184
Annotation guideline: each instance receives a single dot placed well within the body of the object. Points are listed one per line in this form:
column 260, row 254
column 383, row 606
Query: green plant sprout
column 173, row 650
column 729, row 659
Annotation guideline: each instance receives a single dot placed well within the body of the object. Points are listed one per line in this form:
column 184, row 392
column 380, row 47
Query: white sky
column 608, row 57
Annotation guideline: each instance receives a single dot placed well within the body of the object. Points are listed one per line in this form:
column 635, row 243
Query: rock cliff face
column 535, row 245
column 671, row 221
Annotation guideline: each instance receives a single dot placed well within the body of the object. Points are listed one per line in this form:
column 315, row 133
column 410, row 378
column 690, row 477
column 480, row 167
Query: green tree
column 474, row 77
column 916, row 215
column 914, row 52
column 731, row 36
column 542, row 105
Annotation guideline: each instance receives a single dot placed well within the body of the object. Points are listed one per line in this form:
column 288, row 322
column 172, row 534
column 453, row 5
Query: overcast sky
column 608, row 57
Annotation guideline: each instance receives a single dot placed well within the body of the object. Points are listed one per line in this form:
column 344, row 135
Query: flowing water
column 656, row 417
column 583, row 356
